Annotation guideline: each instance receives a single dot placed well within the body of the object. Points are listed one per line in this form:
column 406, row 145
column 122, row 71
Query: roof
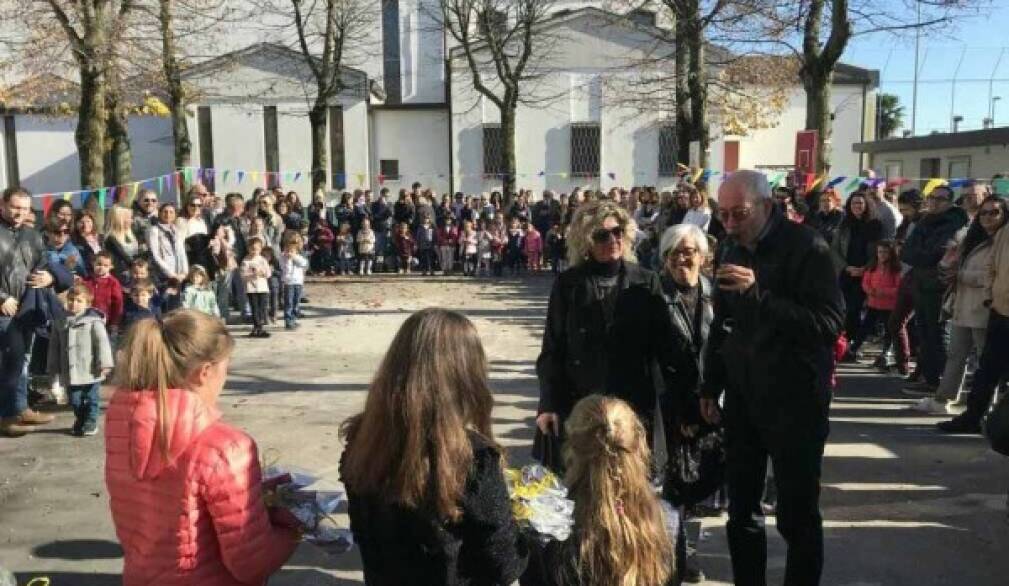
column 846, row 74
column 43, row 93
column 946, row 140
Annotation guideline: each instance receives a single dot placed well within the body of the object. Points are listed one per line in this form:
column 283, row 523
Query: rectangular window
column 928, row 168
column 389, row 168
column 585, row 146
column 390, row 52
column 11, row 153
column 493, row 23
column 892, row 169
column 337, row 155
column 667, row 151
column 206, row 129
column 958, row 167
column 642, row 16
column 493, row 150
column 271, row 144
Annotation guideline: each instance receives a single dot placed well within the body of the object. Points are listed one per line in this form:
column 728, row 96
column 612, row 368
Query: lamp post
column 994, row 100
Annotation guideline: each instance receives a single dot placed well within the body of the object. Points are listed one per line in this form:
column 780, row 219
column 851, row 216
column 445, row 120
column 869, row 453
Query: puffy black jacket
column 932, row 233
column 412, row 546
column 771, row 347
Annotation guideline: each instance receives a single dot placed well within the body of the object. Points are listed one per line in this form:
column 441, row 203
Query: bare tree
column 499, row 39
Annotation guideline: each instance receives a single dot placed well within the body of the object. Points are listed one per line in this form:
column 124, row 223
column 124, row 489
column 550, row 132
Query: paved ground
column 903, row 505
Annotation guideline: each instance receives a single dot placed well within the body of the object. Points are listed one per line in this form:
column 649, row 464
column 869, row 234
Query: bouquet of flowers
column 539, row 502
column 288, row 488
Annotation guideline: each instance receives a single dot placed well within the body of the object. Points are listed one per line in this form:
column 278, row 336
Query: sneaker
column 12, row 427
column 30, row 417
column 929, row 405
column 289, row 326
column 959, row 424
column 919, row 390
column 89, row 429
column 264, row 334
column 78, row 429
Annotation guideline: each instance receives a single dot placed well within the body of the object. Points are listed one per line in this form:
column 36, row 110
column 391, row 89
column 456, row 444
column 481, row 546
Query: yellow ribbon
column 931, row 185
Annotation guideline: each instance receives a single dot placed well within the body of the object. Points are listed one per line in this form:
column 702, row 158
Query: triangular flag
column 254, row 175
column 959, row 182
column 836, row 180
column 774, row 179
column 134, row 189
column 563, row 175
column 187, row 173
column 697, row 175
column 931, row 185
column 47, row 202
column 113, row 191
column 67, row 196
column 612, row 175
column 381, row 179
column 101, row 198
column 897, row 181
column 1000, row 186
column 853, row 184
column 297, row 176
column 161, row 184
column 241, row 175
column 360, row 178
column 542, row 173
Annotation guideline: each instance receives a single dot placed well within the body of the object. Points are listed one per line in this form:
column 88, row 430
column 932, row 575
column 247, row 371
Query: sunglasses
column 601, row 235
column 736, row 214
column 196, row 204
column 150, row 201
column 990, row 213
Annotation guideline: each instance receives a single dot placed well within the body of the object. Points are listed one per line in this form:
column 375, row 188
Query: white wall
column 985, row 161
column 47, row 153
column 152, row 146
column 419, row 140
column 422, row 54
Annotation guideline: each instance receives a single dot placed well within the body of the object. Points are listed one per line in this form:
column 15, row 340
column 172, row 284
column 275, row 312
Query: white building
column 410, row 114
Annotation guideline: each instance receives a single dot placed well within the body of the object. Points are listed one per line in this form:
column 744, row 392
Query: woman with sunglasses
column 608, row 330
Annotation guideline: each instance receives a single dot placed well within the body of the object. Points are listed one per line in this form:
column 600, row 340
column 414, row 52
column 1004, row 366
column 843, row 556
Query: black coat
column 22, row 252
column 771, row 347
column 634, row 359
column 690, row 343
column 406, row 546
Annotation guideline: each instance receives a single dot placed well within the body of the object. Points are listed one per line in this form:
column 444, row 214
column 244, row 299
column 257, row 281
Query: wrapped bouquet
column 539, row 502
column 290, row 489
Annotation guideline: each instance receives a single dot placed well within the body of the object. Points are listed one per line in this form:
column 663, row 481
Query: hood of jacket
column 189, row 417
column 90, row 315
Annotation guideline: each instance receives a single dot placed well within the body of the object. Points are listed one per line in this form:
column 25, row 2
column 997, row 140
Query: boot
column 31, row 417
column 11, row 427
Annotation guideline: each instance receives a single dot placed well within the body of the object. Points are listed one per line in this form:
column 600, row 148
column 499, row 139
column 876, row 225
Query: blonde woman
column 699, row 212
column 121, row 242
column 607, row 331
column 623, row 535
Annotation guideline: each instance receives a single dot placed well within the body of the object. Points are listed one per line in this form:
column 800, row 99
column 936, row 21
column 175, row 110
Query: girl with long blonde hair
column 121, row 242
column 623, row 534
column 428, row 501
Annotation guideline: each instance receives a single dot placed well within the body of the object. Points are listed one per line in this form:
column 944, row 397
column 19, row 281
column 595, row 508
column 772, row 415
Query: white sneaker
column 929, row 405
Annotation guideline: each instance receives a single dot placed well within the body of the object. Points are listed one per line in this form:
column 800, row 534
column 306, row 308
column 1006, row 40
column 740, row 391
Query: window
column 337, row 157
column 389, row 168
column 642, row 16
column 667, row 151
column 494, row 23
column 585, row 150
column 493, row 150
column 390, row 52
column 11, row 152
column 929, row 168
column 893, row 169
column 271, row 144
column 958, row 167
column 205, row 126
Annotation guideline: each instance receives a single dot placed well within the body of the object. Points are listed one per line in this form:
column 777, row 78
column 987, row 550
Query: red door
column 731, row 156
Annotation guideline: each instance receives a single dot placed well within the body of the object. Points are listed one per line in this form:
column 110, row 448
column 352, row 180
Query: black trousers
column 260, row 303
column 992, row 368
column 854, row 300
column 796, row 462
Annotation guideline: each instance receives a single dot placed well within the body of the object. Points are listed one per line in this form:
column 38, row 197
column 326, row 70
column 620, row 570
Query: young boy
column 140, row 270
column 256, row 273
column 106, row 292
column 292, row 266
column 141, row 304
column 80, row 353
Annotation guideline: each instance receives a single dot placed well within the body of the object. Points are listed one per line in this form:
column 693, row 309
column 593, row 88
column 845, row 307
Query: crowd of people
column 711, row 327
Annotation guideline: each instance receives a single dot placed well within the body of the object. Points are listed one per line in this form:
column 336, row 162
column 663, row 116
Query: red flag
column 47, row 202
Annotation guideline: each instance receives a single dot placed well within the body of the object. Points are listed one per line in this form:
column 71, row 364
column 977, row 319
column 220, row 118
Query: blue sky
column 979, row 40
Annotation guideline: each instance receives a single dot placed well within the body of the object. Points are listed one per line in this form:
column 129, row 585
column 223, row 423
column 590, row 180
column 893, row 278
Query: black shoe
column 693, row 575
column 959, row 424
column 851, row 357
column 264, row 334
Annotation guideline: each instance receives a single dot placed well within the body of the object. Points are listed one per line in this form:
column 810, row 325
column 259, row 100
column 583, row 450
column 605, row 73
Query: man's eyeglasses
column 150, row 201
column 737, row 214
column 195, row 204
column 683, row 252
column 600, row 235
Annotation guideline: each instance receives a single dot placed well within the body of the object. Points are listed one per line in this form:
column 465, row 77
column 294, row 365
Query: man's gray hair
column 754, row 182
column 673, row 235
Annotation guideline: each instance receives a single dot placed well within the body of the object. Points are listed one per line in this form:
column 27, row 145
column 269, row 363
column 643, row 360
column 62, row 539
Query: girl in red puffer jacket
column 880, row 282
column 185, row 487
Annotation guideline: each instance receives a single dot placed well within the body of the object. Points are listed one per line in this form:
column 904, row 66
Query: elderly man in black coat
column 778, row 313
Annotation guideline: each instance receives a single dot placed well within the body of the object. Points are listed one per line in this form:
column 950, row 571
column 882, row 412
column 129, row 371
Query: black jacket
column 22, row 252
column 633, row 359
column 932, row 233
column 121, row 260
column 691, row 344
column 771, row 347
column 403, row 211
column 406, row 546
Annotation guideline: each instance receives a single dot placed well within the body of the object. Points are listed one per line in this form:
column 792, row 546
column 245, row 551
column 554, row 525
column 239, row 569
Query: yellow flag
column 254, row 175
column 931, row 185
column 818, row 181
column 360, row 178
column 67, row 196
column 563, row 175
column 697, row 175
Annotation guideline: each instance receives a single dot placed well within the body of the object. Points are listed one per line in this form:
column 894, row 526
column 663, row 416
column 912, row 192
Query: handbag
column 996, row 426
column 547, row 451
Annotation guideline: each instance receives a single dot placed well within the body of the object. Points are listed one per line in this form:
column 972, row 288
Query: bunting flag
column 541, row 173
column 161, row 184
column 1001, row 186
column 134, row 191
column 297, row 176
column 101, row 198
column 253, row 175
column 563, row 175
column 931, row 185
column 775, row 179
column 853, row 184
column 225, row 175
column 241, row 175
column 814, row 182
column 47, row 202
column 381, row 179
column 67, row 196
column 612, row 175
column 360, row 178
column 835, row 181
column 958, row 182
column 897, row 181
column 697, row 175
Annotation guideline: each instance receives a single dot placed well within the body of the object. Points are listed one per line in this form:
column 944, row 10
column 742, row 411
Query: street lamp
column 956, row 123
column 994, row 99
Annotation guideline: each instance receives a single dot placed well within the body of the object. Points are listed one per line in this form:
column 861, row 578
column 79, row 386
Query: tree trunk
column 118, row 140
column 176, row 93
column 817, row 86
column 682, row 96
column 320, row 153
column 91, row 122
column 508, row 136
column 697, row 82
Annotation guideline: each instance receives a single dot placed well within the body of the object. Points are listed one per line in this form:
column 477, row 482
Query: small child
column 404, row 243
column 515, row 247
column 274, row 283
column 140, row 270
column 199, row 294
column 557, row 248
column 425, row 246
column 256, row 273
column 468, row 248
column 141, row 304
column 106, row 292
column 292, row 266
column 345, row 249
column 880, row 282
column 499, row 238
column 322, row 248
column 365, row 247
column 484, row 249
column 533, row 247
column 81, row 355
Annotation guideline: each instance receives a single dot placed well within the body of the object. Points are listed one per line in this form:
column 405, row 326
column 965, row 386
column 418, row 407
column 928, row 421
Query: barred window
column 493, row 150
column 389, row 168
column 667, row 151
column 585, row 141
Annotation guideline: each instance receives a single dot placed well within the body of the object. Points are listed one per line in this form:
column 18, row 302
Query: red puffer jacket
column 196, row 517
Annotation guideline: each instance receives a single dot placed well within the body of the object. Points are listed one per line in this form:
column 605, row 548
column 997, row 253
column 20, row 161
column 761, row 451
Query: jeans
column 15, row 335
column 426, row 258
column 238, row 291
column 222, row 288
column 896, row 327
column 86, row 403
column 292, row 300
column 961, row 340
column 927, row 294
column 275, row 293
column 260, row 303
column 993, row 367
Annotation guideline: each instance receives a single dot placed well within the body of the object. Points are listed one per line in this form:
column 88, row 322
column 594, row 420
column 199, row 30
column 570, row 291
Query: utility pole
column 991, row 87
column 952, row 97
column 914, row 90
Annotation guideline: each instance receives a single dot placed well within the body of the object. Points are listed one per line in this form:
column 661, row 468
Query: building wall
column 418, row 139
column 983, row 162
column 422, row 54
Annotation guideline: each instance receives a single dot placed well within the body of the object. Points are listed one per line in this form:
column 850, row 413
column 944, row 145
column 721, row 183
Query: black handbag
column 996, row 427
column 547, row 451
